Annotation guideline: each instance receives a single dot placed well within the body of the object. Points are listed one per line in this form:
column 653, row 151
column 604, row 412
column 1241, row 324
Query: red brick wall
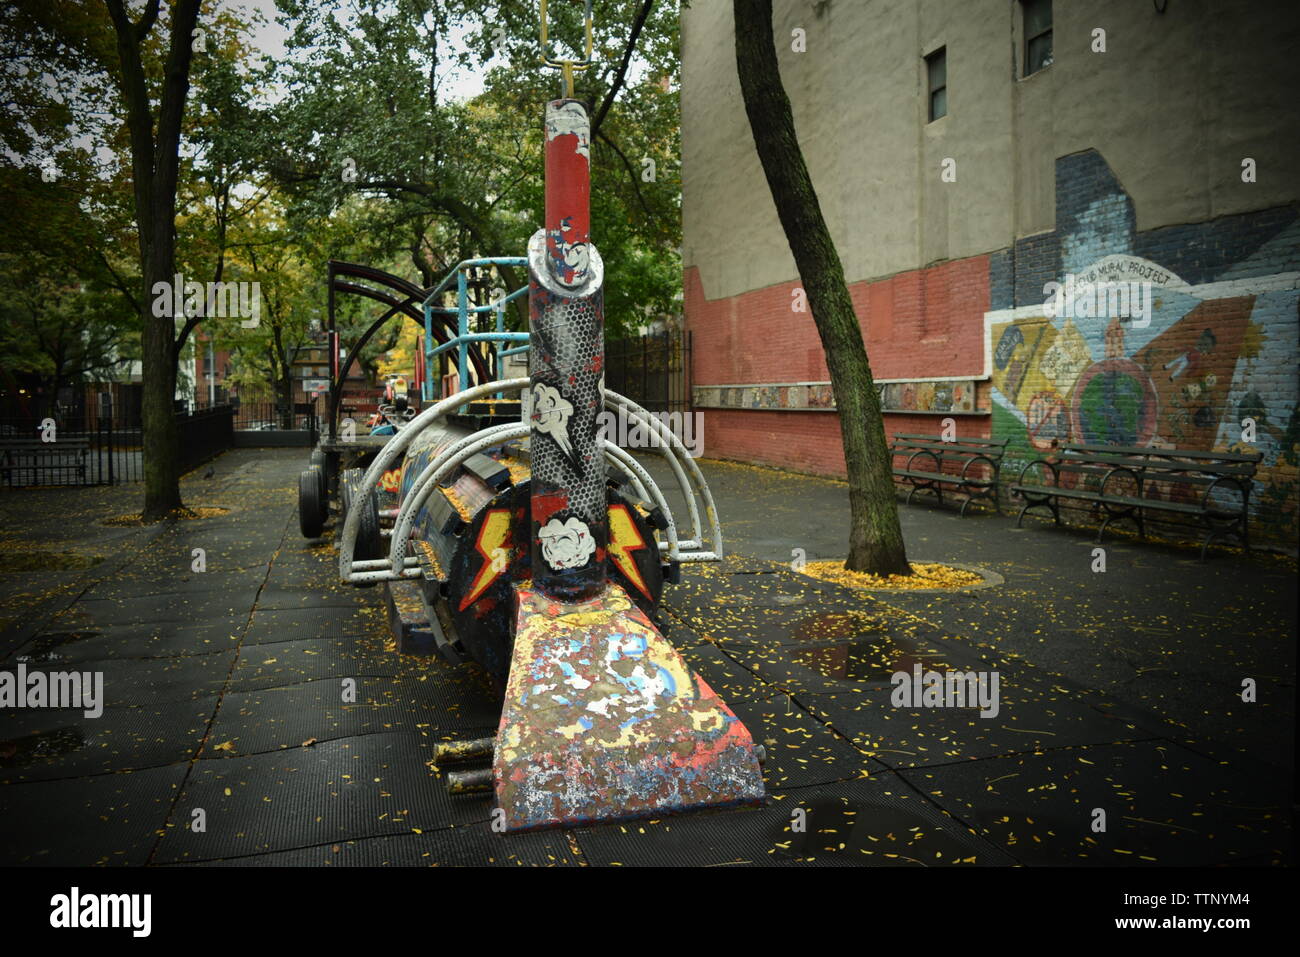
column 802, row 441
column 917, row 324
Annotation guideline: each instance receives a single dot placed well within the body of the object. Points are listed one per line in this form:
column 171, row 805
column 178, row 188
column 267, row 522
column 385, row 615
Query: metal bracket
column 567, row 67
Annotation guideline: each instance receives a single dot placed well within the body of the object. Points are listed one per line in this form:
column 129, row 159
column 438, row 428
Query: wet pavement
column 257, row 713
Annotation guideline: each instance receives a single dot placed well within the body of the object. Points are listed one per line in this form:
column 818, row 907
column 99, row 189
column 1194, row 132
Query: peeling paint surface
column 604, row 721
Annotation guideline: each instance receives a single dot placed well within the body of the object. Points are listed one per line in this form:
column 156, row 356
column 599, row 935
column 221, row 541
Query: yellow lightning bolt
column 492, row 535
column 623, row 540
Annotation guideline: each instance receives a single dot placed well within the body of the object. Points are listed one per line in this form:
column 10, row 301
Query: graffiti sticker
column 566, row 544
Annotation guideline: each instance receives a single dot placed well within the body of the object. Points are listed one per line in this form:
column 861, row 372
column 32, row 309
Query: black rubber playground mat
column 140, row 681
column 801, row 750
column 181, row 609
column 474, row 845
column 105, row 819
column 875, row 821
column 53, row 649
column 293, row 624
column 1028, row 718
column 241, row 547
column 678, row 633
column 300, row 594
column 43, row 744
column 174, row 562
column 274, row 718
column 759, row 606
column 722, row 674
column 238, row 528
column 181, row 579
column 288, row 571
column 1162, row 805
column 350, row 789
column 828, row 666
column 291, row 662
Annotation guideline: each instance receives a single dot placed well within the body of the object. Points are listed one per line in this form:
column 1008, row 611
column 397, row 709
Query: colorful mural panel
column 947, row 396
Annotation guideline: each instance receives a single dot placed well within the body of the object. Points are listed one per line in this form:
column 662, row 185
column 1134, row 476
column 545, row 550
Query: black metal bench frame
column 967, row 452
column 20, row 454
column 1144, row 467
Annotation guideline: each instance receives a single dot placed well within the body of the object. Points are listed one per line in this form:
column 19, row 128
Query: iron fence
column 68, row 451
column 72, row 449
column 273, row 416
column 652, row 370
column 204, row 434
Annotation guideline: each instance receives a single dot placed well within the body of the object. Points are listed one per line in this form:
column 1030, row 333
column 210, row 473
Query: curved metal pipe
column 691, row 482
column 453, row 456
column 448, row 459
column 397, row 445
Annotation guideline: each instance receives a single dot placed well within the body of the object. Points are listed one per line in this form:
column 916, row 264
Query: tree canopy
column 356, row 141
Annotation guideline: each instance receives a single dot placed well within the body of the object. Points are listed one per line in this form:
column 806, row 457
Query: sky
column 270, row 37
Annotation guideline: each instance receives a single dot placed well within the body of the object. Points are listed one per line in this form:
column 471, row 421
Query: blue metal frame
column 462, row 310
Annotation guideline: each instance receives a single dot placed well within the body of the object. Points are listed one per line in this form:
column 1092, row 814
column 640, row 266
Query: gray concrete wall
column 1174, row 104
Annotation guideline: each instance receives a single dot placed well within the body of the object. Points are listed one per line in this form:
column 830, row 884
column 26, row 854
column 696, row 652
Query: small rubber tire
column 322, row 493
column 347, row 481
column 370, row 543
column 310, row 522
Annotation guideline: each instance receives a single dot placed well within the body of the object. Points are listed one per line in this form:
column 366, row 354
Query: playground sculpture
column 394, row 409
column 528, row 542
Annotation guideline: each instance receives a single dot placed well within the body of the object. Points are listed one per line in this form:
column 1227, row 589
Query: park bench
column 971, row 465
column 1131, row 482
column 23, row 454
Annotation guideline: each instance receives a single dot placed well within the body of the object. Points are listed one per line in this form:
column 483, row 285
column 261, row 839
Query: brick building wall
column 972, row 339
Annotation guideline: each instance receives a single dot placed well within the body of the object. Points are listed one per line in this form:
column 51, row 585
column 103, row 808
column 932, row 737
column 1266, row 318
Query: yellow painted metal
column 567, row 67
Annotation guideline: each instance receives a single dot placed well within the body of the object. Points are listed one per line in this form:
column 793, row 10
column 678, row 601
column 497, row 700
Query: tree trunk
column 875, row 538
column 161, row 441
column 283, row 380
column 154, row 171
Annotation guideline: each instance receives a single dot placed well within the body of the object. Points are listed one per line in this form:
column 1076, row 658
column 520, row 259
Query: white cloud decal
column 551, row 414
column 566, row 545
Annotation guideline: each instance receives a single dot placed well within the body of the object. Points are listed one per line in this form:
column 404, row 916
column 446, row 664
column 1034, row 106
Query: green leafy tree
column 368, row 118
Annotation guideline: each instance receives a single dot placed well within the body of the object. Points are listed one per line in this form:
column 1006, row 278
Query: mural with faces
column 1183, row 369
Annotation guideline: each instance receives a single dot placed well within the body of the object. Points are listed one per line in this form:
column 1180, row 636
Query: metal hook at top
column 568, row 67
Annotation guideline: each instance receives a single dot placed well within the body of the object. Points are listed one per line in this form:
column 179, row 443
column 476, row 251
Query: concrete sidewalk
column 263, row 701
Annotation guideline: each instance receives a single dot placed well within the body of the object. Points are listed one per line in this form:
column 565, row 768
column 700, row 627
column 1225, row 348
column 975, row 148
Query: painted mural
column 944, row 396
column 1128, row 350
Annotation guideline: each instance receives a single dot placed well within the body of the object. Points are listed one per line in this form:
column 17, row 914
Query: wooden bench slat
column 985, row 453
column 946, row 477
column 996, row 443
column 1154, row 451
column 947, row 449
column 1153, row 469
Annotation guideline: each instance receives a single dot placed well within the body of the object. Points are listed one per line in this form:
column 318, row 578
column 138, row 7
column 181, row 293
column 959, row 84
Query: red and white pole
column 566, row 365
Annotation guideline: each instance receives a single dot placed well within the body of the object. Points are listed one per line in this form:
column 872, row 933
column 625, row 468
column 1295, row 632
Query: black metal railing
column 204, row 434
column 273, row 416
column 68, row 450
column 652, row 370
column 73, row 450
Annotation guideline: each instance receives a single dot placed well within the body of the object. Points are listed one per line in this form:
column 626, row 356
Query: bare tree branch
column 617, row 85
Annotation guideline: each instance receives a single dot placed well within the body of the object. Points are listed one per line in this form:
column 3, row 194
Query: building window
column 936, row 68
column 1038, row 34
